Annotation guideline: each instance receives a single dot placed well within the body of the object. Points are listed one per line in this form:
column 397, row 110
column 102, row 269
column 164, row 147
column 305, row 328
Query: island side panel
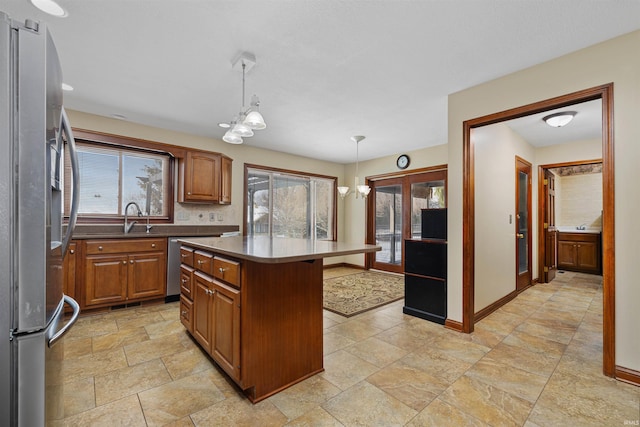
column 281, row 323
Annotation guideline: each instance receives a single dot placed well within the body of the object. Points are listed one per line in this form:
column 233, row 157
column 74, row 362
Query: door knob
column 520, row 236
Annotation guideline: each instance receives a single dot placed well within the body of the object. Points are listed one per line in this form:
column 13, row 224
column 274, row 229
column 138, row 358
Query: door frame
column 542, row 206
column 529, row 166
column 605, row 93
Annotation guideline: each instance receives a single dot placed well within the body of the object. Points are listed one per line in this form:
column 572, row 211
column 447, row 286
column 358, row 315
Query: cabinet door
column 202, row 308
column 147, row 275
column 186, row 313
column 588, row 256
column 105, row 279
column 225, row 180
column 201, row 177
column 225, row 342
column 566, row 254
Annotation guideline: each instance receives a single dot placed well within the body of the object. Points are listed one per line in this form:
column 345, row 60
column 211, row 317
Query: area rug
column 356, row 293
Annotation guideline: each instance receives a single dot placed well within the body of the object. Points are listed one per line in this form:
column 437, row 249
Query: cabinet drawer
column 186, row 281
column 203, row 261
column 95, row 247
column 186, row 256
column 227, row 270
column 578, row 237
column 186, row 313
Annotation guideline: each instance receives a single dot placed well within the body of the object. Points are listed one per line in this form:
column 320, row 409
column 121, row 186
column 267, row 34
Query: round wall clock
column 403, row 161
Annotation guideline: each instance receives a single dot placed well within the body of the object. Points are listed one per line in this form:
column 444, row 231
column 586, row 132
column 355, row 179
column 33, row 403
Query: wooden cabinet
column 205, row 177
column 579, row 252
column 123, row 270
column 211, row 308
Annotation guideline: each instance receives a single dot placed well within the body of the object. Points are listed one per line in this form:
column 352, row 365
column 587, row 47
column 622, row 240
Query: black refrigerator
column 33, row 131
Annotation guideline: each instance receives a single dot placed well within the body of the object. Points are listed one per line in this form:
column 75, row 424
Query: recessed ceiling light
column 67, row 87
column 50, row 7
column 119, row 116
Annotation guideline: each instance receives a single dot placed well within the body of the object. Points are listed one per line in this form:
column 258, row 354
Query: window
column 112, row 176
column 289, row 204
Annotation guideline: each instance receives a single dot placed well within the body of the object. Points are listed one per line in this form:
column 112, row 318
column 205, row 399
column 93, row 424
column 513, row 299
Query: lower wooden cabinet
column 216, row 321
column 579, row 252
column 122, row 271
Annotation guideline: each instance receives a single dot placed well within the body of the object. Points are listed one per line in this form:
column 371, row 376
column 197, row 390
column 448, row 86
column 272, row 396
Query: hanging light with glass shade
column 360, row 189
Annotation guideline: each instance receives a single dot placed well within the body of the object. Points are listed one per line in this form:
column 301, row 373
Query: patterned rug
column 356, row 293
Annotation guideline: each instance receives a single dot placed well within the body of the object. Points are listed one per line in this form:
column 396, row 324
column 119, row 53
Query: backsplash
column 205, row 214
column 579, row 200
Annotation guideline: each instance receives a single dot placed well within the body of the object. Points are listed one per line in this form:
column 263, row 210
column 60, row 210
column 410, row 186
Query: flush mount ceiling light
column 249, row 118
column 362, row 190
column 557, row 120
column 50, row 7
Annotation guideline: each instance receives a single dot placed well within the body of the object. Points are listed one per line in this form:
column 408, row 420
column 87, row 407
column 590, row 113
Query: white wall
column 612, row 61
column 496, row 147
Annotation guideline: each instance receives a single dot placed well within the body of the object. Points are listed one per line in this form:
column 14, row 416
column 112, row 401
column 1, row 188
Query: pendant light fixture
column 249, row 118
column 360, row 189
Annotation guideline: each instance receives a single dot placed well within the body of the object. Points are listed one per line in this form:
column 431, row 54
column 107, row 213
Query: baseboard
column 452, row 324
column 627, row 375
column 343, row 264
column 494, row 306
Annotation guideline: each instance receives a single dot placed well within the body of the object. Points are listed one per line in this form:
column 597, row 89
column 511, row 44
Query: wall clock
column 403, row 161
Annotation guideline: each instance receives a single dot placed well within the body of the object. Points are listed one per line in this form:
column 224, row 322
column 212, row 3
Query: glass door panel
column 388, row 224
column 425, row 195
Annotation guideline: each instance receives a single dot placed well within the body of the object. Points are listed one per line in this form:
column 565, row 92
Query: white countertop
column 276, row 250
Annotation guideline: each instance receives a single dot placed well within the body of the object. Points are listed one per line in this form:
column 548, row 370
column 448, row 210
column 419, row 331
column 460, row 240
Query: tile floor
column 534, row 362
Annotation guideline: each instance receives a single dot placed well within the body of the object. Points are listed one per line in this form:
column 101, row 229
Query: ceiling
column 326, row 69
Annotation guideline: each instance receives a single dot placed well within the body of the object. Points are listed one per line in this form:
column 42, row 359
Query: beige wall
column 496, row 147
column 612, row 61
column 580, row 201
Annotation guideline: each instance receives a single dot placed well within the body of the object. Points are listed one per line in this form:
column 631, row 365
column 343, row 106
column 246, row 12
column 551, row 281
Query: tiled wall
column 579, row 200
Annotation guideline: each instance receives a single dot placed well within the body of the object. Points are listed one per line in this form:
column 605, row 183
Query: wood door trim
column 605, row 93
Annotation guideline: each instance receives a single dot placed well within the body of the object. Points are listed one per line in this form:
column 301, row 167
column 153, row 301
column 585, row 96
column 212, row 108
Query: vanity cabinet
column 210, row 307
column 121, row 271
column 205, row 177
column 580, row 252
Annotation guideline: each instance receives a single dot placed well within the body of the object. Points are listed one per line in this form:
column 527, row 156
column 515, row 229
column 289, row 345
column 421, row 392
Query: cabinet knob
column 184, row 280
column 99, row 248
column 222, row 270
column 189, row 193
column 184, row 313
column 183, row 255
column 124, row 262
column 153, row 245
column 72, row 252
column 130, row 261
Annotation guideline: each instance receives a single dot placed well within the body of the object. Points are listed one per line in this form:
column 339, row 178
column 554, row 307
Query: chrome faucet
column 149, row 226
column 128, row 226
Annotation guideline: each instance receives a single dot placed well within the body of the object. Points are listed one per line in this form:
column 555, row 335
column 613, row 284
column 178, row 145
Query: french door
column 395, row 213
column 523, row 224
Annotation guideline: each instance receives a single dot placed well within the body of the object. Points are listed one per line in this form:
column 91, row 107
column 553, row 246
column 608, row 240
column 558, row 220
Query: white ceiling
column 326, row 69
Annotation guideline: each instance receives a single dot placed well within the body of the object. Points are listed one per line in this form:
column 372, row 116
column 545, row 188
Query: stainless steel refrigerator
column 34, row 133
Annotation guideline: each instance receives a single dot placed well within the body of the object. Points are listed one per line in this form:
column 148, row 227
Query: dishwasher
column 173, row 269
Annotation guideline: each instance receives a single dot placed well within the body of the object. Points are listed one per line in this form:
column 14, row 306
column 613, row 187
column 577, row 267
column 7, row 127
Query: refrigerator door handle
column 75, row 181
column 76, row 311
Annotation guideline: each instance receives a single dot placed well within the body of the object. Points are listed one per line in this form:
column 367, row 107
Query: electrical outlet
column 183, row 216
column 220, row 218
column 212, row 216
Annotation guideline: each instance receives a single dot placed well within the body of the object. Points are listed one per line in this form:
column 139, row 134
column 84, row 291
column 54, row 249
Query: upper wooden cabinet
column 205, row 178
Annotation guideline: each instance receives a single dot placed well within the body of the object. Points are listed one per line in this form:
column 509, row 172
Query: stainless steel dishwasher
column 173, row 269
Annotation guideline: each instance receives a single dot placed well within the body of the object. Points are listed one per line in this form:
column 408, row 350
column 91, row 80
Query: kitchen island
column 255, row 306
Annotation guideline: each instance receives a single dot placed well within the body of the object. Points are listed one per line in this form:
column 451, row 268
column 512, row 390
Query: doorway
column 605, row 94
column 523, row 224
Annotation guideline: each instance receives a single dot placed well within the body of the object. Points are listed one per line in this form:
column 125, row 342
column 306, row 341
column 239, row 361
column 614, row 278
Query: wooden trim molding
column 628, row 375
column 452, row 324
column 494, row 306
column 343, row 264
column 605, row 93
